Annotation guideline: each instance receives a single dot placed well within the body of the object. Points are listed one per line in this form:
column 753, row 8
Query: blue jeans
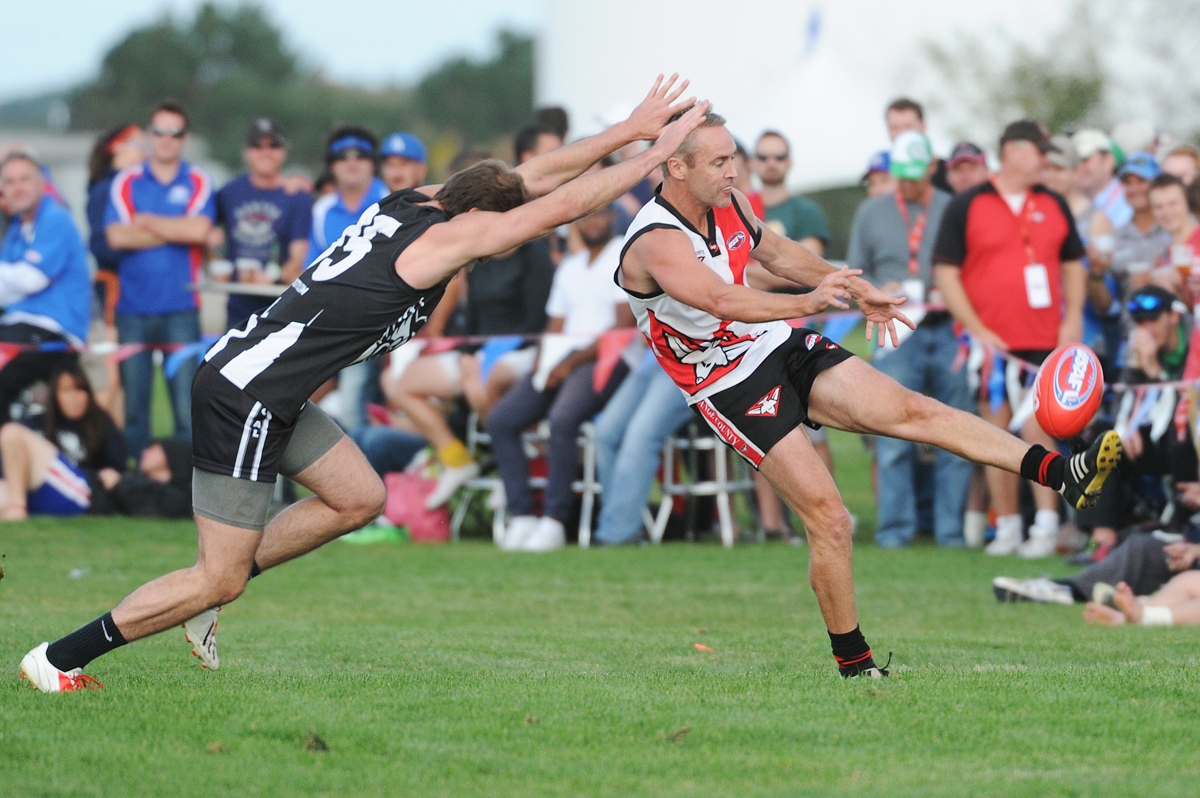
column 629, row 437
column 924, row 364
column 387, row 449
column 137, row 373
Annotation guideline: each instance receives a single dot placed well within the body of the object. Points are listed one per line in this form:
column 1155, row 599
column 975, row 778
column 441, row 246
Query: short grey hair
column 687, row 150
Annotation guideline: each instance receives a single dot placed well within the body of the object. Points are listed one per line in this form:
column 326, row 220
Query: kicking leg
column 800, row 478
column 855, row 397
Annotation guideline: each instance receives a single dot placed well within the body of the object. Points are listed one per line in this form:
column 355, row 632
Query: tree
column 987, row 82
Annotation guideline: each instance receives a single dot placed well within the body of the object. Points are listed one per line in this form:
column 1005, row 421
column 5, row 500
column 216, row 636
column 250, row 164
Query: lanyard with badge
column 914, row 289
column 1037, row 278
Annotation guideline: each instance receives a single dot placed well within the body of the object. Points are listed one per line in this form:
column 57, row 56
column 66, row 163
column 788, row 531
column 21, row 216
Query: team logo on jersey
column 811, row 340
column 694, row 362
column 397, row 332
column 735, row 240
column 179, row 195
column 768, row 405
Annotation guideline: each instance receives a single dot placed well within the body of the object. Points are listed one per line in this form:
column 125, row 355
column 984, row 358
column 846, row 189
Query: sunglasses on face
column 352, row 152
column 162, row 131
column 764, row 156
column 267, row 145
column 1146, row 306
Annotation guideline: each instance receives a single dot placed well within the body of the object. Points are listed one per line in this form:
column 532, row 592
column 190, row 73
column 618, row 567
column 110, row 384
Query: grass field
column 459, row 670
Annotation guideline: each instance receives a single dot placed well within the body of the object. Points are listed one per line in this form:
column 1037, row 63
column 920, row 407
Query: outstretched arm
column 794, row 262
column 667, row 257
column 480, row 234
column 547, row 172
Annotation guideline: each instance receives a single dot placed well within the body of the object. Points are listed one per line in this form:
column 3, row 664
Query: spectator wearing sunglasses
column 158, row 218
column 1157, row 351
column 263, row 226
column 351, row 154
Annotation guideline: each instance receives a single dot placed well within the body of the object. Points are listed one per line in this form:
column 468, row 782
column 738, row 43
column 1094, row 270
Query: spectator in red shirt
column 1008, row 260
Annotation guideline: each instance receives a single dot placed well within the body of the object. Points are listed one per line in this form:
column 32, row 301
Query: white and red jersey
column 703, row 354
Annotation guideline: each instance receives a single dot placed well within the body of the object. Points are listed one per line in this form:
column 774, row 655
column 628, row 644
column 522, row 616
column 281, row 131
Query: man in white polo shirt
column 584, row 302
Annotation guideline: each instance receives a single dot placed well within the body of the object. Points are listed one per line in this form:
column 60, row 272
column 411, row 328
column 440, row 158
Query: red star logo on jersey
column 768, row 405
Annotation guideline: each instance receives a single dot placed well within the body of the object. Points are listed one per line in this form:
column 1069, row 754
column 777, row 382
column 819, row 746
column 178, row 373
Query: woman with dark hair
column 115, row 150
column 54, row 462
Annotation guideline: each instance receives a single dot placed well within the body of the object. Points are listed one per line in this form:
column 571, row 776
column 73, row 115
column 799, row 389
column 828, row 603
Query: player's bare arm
column 662, row 260
column 547, row 172
column 448, row 247
column 795, row 262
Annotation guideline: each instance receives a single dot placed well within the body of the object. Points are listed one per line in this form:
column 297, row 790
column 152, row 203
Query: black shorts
column 232, row 433
column 759, row 411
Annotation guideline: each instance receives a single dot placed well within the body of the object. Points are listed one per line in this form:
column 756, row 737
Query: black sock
column 85, row 644
column 851, row 652
column 254, row 569
column 1043, row 467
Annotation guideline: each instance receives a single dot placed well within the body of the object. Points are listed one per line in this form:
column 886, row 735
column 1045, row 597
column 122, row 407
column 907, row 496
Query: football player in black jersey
column 364, row 296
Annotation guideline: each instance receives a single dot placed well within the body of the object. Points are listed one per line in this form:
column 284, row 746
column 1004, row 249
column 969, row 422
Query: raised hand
column 647, row 120
column 673, row 134
column 880, row 310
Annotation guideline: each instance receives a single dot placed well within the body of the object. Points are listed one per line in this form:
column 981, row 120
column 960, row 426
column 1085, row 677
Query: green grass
column 462, row 671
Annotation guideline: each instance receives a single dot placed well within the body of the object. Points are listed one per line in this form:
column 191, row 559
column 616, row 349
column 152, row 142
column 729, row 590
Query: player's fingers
column 892, row 334
column 654, row 88
column 666, row 84
column 680, row 89
column 681, row 106
column 870, row 330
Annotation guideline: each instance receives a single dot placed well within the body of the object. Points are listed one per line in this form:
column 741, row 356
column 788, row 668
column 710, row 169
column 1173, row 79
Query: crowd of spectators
column 1080, row 236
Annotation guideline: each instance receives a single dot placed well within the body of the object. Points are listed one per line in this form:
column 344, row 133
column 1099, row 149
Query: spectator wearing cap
column 405, row 161
column 263, row 226
column 892, row 242
column 1130, row 251
column 1097, row 176
column 878, row 177
column 350, row 154
column 44, row 285
column 966, row 167
column 904, row 114
column 1178, row 265
column 158, row 217
column 1060, row 175
column 1008, row 260
column 1157, row 350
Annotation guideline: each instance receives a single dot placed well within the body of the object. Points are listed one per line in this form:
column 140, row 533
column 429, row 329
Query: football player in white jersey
column 755, row 382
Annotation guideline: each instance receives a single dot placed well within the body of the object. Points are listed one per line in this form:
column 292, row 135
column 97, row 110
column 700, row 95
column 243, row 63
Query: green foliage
column 230, row 65
column 482, row 100
column 460, row 670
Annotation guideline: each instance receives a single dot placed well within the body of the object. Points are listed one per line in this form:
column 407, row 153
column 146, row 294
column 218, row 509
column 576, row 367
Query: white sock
column 1157, row 616
column 1046, row 521
column 1008, row 526
column 974, row 523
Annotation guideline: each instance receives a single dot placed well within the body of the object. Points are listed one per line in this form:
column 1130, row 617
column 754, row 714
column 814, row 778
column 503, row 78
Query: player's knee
column 224, row 586
column 830, row 525
column 369, row 503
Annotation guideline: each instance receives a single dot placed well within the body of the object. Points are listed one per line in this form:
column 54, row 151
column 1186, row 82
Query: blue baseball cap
column 1141, row 164
column 406, row 145
column 880, row 162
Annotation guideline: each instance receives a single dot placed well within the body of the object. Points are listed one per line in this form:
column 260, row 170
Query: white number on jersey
column 356, row 241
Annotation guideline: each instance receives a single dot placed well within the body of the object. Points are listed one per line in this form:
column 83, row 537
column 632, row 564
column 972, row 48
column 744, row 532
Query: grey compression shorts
column 244, row 502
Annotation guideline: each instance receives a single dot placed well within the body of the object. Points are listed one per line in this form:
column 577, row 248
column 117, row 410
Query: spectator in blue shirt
column 350, row 154
column 159, row 216
column 44, row 285
column 264, row 226
column 119, row 148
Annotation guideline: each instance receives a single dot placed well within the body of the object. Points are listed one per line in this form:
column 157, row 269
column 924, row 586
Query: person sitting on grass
column 1177, row 603
column 54, row 461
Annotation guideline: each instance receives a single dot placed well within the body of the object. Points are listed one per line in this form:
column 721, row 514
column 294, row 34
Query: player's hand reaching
column 880, row 310
column 647, row 120
column 832, row 291
column 672, row 135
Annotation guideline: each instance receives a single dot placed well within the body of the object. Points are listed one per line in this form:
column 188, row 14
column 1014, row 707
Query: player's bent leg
column 796, row 472
column 853, row 396
column 349, row 495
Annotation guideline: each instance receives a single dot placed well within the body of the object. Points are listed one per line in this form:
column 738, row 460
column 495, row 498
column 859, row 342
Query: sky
column 367, row 42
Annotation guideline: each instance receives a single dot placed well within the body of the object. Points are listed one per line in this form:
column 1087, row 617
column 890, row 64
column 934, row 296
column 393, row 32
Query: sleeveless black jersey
column 349, row 306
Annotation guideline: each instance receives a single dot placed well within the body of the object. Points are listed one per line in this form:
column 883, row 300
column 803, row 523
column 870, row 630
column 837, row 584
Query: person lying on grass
column 1178, row 603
